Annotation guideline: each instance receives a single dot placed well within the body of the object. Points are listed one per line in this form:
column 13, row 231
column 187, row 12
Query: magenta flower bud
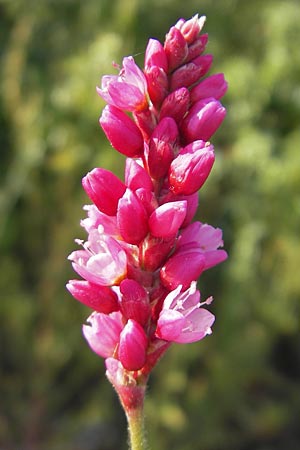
column 213, row 86
column 176, row 105
column 183, row 267
column 182, row 320
column 146, row 122
column 161, row 147
column 190, row 73
column 126, row 91
column 122, row 132
column 176, row 48
column 148, row 199
column 134, row 302
column 189, row 171
column 158, row 83
column 104, row 189
column 103, row 261
column 154, row 251
column 203, row 120
column 166, row 220
column 197, row 47
column 136, row 176
column 192, row 202
column 132, row 218
column 191, row 28
column 99, row 298
column 155, row 55
column 133, row 346
column 103, row 332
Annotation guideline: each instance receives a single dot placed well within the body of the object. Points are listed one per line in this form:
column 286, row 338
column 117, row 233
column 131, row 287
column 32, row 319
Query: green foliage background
column 238, row 389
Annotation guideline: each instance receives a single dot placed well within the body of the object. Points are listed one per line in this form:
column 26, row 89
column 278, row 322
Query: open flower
column 102, row 260
column 128, row 90
column 182, row 319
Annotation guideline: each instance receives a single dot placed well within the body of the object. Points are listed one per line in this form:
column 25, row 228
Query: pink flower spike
column 103, row 332
column 182, row 320
column 122, row 132
column 190, row 73
column 189, row 171
column 176, row 48
column 126, row 91
column 213, row 86
column 203, row 119
column 134, row 301
column 99, row 298
column 166, row 220
column 104, row 189
column 183, row 267
column 132, row 218
column 155, row 55
column 133, row 346
column 103, row 261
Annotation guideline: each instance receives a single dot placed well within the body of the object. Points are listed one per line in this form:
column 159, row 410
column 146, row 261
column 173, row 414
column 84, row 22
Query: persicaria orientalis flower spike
column 143, row 254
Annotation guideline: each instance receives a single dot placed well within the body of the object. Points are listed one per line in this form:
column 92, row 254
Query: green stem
column 135, row 419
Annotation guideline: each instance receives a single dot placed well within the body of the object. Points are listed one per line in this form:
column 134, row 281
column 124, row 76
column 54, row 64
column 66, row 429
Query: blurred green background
column 239, row 389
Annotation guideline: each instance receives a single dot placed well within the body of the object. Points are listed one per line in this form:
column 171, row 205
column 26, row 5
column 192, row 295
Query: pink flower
column 104, row 189
column 182, row 319
column 128, row 90
column 176, row 48
column 121, row 131
column 133, row 346
column 191, row 28
column 134, row 301
column 102, row 261
column 184, row 266
column 189, row 73
column 166, row 220
column 132, row 218
column 214, row 86
column 136, row 177
column 155, row 56
column 203, row 120
column 103, row 332
column 189, row 171
column 100, row 298
column 161, row 147
column 99, row 220
column 176, row 105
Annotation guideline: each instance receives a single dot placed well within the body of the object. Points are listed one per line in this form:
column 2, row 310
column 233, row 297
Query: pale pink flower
column 103, row 332
column 182, row 319
column 102, row 260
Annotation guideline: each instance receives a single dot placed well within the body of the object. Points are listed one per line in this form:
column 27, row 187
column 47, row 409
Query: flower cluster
column 144, row 253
